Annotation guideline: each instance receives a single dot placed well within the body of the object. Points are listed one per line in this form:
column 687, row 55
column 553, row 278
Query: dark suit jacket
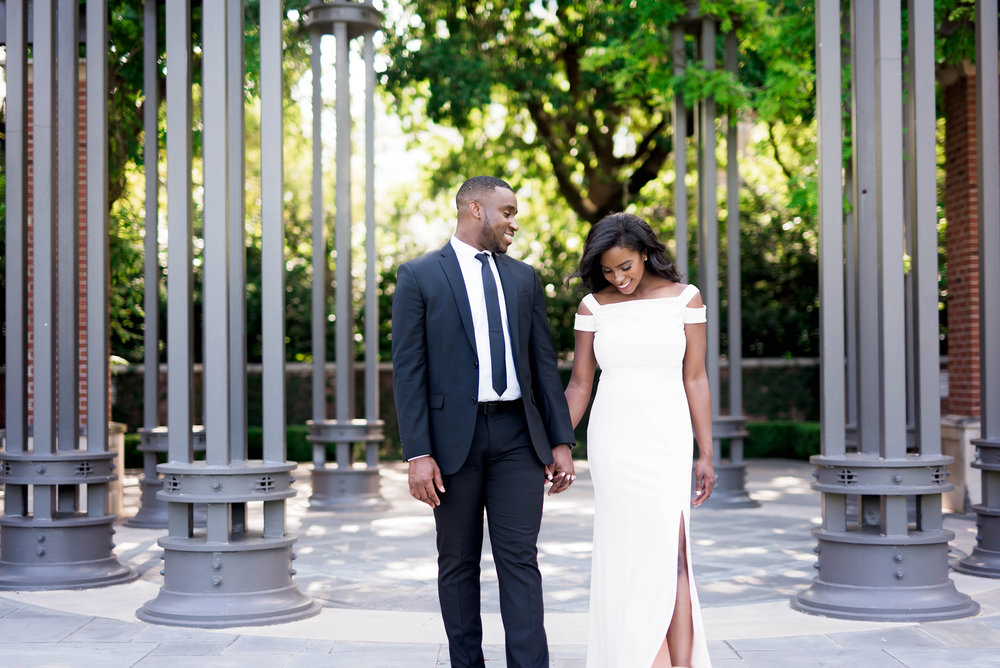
column 435, row 367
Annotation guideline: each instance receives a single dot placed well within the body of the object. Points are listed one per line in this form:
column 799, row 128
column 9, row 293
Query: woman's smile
column 623, row 268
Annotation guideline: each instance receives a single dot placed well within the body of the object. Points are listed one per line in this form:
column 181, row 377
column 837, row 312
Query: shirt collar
column 465, row 250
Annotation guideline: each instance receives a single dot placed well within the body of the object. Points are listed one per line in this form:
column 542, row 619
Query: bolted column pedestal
column 60, row 494
column 66, row 554
column 225, row 571
column 730, row 487
column 237, row 570
column 229, row 574
column 874, row 564
column 47, row 539
column 346, row 487
column 883, row 551
column 985, row 558
column 873, row 577
column 152, row 513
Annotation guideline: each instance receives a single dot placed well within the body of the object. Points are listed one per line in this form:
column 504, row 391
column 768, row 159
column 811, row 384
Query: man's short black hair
column 477, row 186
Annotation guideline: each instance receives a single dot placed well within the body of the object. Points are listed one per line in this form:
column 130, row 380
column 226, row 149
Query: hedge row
column 779, row 438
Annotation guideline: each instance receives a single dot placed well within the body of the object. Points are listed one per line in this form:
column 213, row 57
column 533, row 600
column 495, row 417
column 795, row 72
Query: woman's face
column 623, row 268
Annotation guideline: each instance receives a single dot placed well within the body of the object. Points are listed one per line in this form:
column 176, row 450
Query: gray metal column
column 733, row 492
column 985, row 557
column 237, row 234
column 924, row 422
column 151, row 247
column 863, row 376
column 68, row 245
column 272, row 236
column 237, row 571
column 56, row 529
column 877, row 564
column 679, row 55
column 730, row 489
column 152, row 511
column 319, row 260
column 16, row 230
column 16, row 443
column 850, row 242
column 708, row 227
column 347, row 485
column 371, row 335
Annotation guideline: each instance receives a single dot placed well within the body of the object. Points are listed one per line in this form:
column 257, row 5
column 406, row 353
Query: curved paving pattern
column 374, row 574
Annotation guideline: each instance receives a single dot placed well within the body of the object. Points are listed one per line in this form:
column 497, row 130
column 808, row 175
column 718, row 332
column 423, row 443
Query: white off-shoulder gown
column 640, row 448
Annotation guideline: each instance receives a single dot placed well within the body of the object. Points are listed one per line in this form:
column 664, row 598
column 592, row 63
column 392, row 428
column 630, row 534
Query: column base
column 983, row 563
column 65, row 553
column 354, row 489
column 730, row 488
column 222, row 585
column 864, row 575
column 985, row 558
column 921, row 604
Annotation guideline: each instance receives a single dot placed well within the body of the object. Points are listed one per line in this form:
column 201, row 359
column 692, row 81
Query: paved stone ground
column 374, row 574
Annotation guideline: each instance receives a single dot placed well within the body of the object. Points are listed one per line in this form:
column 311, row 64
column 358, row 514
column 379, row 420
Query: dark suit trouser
column 503, row 476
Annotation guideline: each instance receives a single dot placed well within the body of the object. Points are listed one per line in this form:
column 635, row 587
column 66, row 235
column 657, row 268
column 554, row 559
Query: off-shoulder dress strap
column 688, row 293
column 693, row 315
column 587, row 323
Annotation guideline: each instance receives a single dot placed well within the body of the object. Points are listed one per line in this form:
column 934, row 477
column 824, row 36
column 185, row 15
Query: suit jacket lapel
column 509, row 282
column 449, row 263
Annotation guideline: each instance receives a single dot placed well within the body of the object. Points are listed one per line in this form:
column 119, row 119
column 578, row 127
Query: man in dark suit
column 482, row 415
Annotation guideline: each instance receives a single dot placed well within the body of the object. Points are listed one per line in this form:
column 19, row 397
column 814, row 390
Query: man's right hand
column 425, row 481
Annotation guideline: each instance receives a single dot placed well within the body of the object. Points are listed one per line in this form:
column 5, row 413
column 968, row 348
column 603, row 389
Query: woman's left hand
column 561, row 472
column 704, row 480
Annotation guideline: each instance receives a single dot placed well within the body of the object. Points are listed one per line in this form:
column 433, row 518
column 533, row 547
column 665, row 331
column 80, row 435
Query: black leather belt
column 492, row 407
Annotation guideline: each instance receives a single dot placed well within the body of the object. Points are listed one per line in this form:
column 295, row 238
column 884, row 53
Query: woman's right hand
column 704, row 479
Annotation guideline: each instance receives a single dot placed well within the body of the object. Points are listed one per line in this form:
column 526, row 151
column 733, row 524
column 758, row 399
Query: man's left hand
column 560, row 472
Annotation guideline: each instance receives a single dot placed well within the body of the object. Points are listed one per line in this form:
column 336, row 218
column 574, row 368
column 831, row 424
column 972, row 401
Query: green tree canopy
column 582, row 91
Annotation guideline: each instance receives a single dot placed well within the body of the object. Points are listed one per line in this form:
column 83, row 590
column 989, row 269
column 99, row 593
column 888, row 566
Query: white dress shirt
column 472, row 272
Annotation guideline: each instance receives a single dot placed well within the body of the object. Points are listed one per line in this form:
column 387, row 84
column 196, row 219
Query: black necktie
column 497, row 358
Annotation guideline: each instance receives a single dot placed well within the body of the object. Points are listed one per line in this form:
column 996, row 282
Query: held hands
column 425, row 481
column 704, row 480
column 560, row 472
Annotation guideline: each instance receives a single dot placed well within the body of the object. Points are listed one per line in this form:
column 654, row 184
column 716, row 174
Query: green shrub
column 782, row 438
column 779, row 439
column 133, row 458
column 297, row 446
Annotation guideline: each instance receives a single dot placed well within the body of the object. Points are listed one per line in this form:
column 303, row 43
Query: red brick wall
column 962, row 246
column 82, row 253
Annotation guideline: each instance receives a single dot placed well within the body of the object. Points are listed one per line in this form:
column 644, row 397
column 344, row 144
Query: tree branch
column 773, row 142
column 562, row 173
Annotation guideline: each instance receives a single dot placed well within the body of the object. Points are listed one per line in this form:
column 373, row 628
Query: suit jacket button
column 475, row 364
column 472, row 400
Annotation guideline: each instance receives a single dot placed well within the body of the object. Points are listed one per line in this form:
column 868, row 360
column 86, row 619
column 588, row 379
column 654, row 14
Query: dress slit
column 682, row 544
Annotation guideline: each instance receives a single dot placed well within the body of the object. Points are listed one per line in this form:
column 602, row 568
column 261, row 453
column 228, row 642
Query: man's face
column 496, row 215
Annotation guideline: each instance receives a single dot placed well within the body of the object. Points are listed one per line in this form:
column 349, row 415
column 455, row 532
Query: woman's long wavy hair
column 623, row 230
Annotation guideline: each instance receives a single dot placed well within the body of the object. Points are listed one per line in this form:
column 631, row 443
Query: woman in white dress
column 646, row 331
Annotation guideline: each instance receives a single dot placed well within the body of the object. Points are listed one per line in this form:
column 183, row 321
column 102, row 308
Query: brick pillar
column 82, row 252
column 960, row 423
column 962, row 245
